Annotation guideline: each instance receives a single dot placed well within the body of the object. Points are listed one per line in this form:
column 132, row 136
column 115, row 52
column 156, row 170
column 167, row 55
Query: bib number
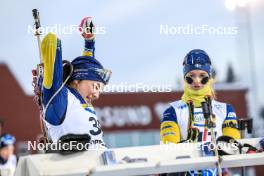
column 96, row 125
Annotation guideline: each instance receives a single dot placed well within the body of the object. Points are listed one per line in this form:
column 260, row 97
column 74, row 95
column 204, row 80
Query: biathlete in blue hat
column 67, row 99
column 7, row 158
column 184, row 119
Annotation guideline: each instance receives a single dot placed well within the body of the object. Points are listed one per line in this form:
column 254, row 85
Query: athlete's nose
column 196, row 80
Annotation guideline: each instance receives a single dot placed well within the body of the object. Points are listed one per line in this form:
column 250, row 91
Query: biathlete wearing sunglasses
column 176, row 125
column 71, row 111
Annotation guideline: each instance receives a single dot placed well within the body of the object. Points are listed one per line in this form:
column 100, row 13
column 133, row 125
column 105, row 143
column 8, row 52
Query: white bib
column 8, row 169
column 78, row 120
column 182, row 113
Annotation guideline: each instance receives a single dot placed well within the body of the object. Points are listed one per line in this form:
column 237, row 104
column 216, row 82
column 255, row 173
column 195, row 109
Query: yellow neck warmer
column 197, row 96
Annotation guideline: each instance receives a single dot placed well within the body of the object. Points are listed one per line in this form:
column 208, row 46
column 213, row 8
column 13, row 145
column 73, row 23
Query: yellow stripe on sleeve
column 48, row 52
column 169, row 132
column 231, row 132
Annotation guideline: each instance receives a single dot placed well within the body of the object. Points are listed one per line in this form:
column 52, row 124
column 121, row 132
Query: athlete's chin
column 95, row 98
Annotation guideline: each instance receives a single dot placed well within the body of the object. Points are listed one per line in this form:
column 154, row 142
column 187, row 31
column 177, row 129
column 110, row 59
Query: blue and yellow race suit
column 68, row 112
column 174, row 125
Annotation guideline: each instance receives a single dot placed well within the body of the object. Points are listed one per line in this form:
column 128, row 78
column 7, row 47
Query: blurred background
column 142, row 42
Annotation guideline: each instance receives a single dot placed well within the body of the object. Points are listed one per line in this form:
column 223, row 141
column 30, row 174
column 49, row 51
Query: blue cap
column 197, row 60
column 7, row 139
column 88, row 68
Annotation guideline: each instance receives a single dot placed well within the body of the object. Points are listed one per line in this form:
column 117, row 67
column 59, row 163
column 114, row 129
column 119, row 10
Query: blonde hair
column 214, row 96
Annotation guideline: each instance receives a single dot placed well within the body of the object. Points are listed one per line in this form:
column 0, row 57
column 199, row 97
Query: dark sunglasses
column 204, row 80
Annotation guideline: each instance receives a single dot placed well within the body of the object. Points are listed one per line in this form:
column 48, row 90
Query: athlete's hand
column 87, row 28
